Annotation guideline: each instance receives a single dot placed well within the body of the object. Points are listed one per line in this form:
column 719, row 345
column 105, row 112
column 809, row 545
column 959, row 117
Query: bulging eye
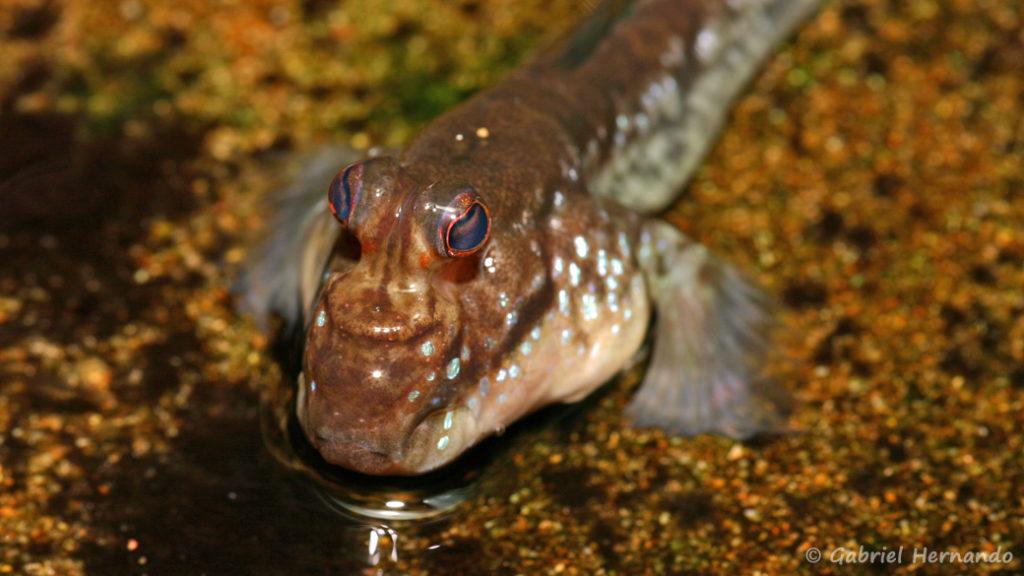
column 344, row 192
column 465, row 225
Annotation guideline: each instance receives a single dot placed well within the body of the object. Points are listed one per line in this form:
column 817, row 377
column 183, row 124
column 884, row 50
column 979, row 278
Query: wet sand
column 872, row 177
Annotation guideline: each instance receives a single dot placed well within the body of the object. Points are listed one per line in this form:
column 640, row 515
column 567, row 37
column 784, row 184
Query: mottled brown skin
column 512, row 314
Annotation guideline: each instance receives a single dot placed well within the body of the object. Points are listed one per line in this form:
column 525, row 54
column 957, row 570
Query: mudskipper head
column 385, row 350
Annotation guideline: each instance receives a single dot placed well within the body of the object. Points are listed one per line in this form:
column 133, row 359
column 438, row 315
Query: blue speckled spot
column 581, row 246
column 453, row 369
column 589, row 307
column 574, row 274
column 321, row 319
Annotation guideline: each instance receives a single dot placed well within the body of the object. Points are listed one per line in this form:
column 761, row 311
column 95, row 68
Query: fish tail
column 685, row 102
column 713, row 335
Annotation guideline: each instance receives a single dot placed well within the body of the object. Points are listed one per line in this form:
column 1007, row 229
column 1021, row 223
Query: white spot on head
column 464, row 353
column 581, row 246
column 643, row 122
column 443, row 442
column 617, row 268
column 602, row 262
column 453, row 369
column 628, row 313
column 707, row 44
column 427, row 348
column 559, row 199
column 377, row 373
column 511, row 318
column 574, row 274
column 459, row 137
column 559, row 265
column 535, row 333
column 573, row 175
column 321, row 318
column 526, row 348
column 613, row 302
column 431, row 376
column 513, row 371
column 503, row 299
column 563, row 302
column 615, row 328
column 502, row 374
column 414, row 395
column 566, row 336
column 589, row 307
column 448, row 417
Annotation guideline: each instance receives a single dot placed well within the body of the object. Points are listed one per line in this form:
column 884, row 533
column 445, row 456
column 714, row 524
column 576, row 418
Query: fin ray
column 283, row 273
column 711, row 340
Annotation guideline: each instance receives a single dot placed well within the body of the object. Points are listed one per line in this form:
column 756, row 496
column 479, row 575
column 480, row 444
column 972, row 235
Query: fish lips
column 432, row 443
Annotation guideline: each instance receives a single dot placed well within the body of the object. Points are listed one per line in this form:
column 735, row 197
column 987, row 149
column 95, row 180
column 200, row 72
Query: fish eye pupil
column 465, row 225
column 342, row 191
column 469, row 230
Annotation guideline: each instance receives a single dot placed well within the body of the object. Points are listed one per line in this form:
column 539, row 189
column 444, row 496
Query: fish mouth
column 434, row 442
column 355, row 456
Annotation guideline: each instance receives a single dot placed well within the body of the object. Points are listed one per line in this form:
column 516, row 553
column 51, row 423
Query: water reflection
column 377, row 515
column 358, row 496
column 386, row 524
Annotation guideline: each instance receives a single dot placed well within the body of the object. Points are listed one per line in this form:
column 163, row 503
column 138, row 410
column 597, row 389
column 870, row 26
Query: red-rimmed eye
column 465, row 225
column 344, row 192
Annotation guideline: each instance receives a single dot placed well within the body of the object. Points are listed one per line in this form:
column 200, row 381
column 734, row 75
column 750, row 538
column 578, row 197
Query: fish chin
column 435, row 442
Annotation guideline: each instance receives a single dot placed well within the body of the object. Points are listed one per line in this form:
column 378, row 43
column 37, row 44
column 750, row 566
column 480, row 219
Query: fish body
column 505, row 261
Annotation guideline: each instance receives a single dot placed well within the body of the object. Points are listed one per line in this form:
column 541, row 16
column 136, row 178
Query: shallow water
column 871, row 178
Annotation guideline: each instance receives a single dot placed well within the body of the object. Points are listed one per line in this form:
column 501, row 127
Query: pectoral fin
column 711, row 336
column 283, row 273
